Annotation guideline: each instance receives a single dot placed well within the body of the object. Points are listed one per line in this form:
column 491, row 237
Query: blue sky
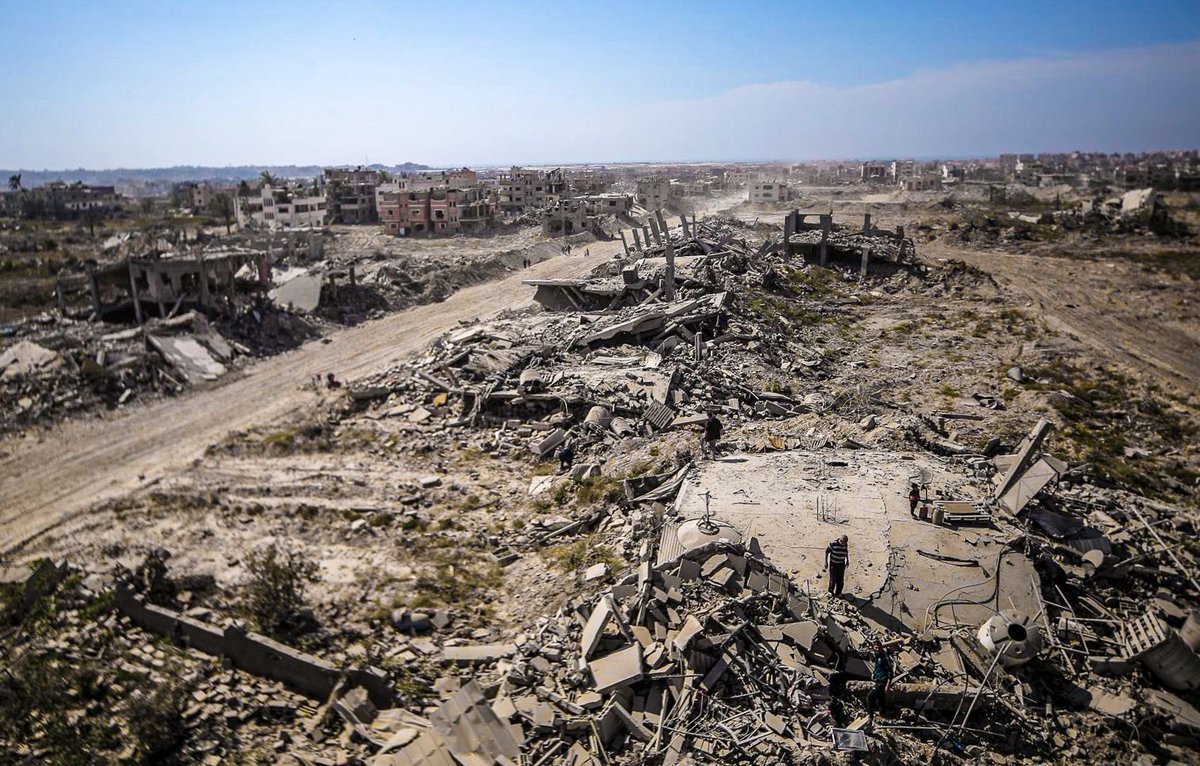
column 108, row 84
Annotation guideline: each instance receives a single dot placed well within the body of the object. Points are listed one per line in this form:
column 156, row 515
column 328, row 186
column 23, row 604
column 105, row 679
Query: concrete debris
column 302, row 293
column 999, row 604
column 26, row 358
column 65, row 367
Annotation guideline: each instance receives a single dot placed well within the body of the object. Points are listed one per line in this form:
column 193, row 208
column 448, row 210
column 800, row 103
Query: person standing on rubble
column 837, row 555
column 711, row 435
column 882, row 674
column 566, row 457
column 914, row 499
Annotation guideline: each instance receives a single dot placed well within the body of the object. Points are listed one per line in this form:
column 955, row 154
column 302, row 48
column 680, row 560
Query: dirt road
column 44, row 483
column 1116, row 306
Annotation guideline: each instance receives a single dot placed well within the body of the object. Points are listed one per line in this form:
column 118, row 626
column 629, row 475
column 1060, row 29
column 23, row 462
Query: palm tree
column 222, row 205
column 267, row 178
column 91, row 218
column 14, row 182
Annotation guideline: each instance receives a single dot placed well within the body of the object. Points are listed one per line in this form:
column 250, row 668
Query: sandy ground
column 1122, row 310
column 48, row 480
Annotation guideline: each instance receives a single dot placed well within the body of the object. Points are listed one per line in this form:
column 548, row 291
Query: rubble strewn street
column 531, row 545
column 600, row 384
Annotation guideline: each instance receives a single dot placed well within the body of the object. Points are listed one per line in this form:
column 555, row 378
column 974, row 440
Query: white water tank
column 1012, row 636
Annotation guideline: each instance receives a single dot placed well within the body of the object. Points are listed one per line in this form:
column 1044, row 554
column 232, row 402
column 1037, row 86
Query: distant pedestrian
column 566, row 457
column 711, row 435
column 332, row 382
column 882, row 674
column 586, row 252
column 837, row 555
column 914, row 499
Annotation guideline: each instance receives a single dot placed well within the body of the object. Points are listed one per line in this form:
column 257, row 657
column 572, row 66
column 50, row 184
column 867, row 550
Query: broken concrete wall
column 155, row 619
column 262, row 656
column 252, row 652
column 200, row 635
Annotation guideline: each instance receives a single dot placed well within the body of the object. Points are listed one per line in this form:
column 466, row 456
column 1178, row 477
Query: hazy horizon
column 140, row 85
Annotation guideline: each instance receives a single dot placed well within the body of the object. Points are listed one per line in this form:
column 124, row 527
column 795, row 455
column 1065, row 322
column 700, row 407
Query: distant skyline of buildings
column 572, row 198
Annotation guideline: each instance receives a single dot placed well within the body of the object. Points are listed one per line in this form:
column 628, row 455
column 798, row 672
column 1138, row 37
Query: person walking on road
column 837, row 555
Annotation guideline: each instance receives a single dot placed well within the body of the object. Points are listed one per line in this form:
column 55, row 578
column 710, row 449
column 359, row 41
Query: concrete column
column 137, row 302
column 637, row 239
column 789, row 228
column 353, row 277
column 654, row 228
column 662, row 224
column 58, row 295
column 624, row 244
column 205, row 299
column 866, row 257
column 683, row 222
column 94, row 286
column 866, row 223
column 826, row 227
column 669, row 282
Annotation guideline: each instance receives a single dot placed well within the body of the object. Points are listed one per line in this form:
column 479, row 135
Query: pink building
column 436, row 211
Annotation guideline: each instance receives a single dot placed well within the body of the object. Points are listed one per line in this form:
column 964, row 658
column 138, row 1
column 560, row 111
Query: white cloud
column 1123, row 100
column 1132, row 99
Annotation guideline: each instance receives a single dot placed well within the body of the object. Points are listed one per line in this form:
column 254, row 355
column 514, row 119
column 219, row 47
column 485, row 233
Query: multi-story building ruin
column 523, row 189
column 658, row 192
column 350, row 194
column 437, row 210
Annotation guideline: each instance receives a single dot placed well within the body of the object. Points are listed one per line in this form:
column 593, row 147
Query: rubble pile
column 61, row 367
column 535, row 381
column 1136, row 212
column 714, row 656
column 704, row 649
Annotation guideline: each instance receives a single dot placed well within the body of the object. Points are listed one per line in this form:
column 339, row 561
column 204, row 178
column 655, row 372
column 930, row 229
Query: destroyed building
column 1028, row 616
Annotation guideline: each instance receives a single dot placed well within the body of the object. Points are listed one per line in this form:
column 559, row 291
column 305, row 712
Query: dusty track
column 44, row 483
column 1113, row 305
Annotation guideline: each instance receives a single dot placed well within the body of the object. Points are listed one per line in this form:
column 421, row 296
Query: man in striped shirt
column 837, row 554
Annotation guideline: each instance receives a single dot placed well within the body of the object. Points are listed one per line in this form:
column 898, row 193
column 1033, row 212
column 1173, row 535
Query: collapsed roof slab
column 795, row 503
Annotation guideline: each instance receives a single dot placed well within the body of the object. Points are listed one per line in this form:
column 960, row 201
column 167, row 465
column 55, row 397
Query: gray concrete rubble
column 1013, row 608
column 723, row 644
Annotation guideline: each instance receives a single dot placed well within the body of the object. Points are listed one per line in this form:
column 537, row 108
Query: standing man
column 914, row 499
column 837, row 554
column 884, row 671
column 566, row 457
column 712, row 434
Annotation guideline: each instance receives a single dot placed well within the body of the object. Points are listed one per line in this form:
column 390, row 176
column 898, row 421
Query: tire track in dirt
column 1109, row 304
